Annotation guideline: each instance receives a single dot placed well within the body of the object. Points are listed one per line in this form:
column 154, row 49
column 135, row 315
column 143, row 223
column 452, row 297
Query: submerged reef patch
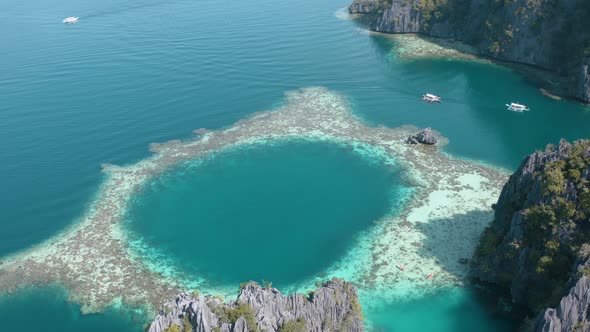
column 408, row 254
column 413, row 46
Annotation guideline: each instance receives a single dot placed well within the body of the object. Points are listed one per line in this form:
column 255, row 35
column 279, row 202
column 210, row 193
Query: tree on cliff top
column 534, row 245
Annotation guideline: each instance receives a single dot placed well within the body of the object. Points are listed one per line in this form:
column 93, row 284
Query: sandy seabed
column 440, row 222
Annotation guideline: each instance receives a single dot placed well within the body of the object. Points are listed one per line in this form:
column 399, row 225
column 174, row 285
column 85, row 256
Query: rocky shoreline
column 518, row 32
column 538, row 246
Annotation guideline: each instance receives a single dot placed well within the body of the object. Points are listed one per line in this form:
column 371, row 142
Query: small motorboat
column 401, row 267
column 430, row 98
column 70, row 20
column 430, row 276
column 515, row 107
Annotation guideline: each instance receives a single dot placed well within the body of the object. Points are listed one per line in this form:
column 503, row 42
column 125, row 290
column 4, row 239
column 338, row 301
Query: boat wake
column 70, row 20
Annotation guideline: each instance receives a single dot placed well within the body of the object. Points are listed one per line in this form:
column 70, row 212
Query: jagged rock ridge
column 572, row 313
column 334, row 306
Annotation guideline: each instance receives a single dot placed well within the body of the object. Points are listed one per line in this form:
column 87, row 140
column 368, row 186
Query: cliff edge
column 538, row 245
column 571, row 314
column 551, row 34
column 332, row 307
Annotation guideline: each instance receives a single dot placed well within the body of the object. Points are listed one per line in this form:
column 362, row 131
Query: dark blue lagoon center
column 275, row 211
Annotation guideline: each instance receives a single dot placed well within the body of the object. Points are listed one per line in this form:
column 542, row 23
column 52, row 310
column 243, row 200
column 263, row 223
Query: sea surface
column 133, row 72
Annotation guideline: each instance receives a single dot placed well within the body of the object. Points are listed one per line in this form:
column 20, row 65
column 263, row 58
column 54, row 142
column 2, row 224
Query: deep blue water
column 140, row 71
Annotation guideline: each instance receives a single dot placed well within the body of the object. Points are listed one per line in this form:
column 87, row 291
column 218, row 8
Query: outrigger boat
column 517, row 107
column 70, row 20
column 429, row 98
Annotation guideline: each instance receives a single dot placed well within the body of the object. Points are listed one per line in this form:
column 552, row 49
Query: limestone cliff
column 332, row 307
column 571, row 314
column 552, row 34
column 583, row 89
column 538, row 244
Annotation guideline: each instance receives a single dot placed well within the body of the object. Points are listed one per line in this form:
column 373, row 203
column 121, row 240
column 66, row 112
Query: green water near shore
column 47, row 309
column 449, row 310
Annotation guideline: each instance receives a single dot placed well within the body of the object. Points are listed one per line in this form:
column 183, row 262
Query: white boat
column 515, row 107
column 70, row 20
column 430, row 98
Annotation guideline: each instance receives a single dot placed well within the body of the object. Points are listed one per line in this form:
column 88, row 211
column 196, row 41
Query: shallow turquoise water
column 47, row 309
column 139, row 71
column 450, row 310
column 279, row 212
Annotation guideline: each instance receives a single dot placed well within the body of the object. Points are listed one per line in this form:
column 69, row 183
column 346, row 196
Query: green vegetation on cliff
column 541, row 230
column 187, row 326
column 553, row 34
column 231, row 315
column 572, row 42
column 294, row 326
column 431, row 11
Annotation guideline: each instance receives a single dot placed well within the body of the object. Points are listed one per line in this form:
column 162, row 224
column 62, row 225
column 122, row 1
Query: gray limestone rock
column 583, row 90
column 529, row 219
column 364, row 7
column 399, row 17
column 426, row 136
column 520, row 31
column 572, row 313
column 334, row 307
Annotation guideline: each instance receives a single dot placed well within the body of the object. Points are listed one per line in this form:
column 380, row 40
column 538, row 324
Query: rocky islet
column 425, row 136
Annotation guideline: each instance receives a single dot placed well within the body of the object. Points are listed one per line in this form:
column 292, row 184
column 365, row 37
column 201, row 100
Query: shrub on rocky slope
column 538, row 244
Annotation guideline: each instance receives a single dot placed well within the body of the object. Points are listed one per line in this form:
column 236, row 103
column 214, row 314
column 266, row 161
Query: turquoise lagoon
column 276, row 211
column 141, row 71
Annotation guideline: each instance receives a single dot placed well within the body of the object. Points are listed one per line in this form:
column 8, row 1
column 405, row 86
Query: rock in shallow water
column 333, row 307
column 426, row 136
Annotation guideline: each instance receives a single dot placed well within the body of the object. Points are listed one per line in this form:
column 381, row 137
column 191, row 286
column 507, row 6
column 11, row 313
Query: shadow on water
column 451, row 240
